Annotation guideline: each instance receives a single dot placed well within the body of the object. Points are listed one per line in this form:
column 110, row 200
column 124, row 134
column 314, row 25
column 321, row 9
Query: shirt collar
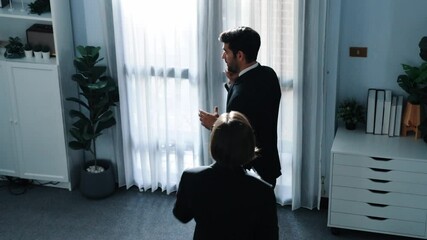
column 248, row 68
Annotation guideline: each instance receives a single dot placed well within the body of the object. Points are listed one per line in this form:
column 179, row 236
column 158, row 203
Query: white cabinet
column 34, row 121
column 37, row 147
column 8, row 153
column 378, row 184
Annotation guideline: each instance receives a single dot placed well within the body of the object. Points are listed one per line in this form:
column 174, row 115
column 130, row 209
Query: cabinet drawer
column 383, row 163
column 373, row 196
column 379, row 210
column 391, row 226
column 377, row 184
column 380, row 174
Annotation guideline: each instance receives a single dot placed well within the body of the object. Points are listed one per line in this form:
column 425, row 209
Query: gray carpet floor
column 47, row 213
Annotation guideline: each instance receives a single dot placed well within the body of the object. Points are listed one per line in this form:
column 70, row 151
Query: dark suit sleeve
column 268, row 223
column 182, row 209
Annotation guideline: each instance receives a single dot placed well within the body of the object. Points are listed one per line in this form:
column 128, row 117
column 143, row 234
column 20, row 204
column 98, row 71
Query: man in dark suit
column 253, row 90
column 225, row 201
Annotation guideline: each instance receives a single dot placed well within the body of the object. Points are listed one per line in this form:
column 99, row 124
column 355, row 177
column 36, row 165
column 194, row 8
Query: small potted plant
column 351, row 112
column 37, row 49
column 39, row 6
column 28, row 50
column 45, row 52
column 99, row 95
column 15, row 48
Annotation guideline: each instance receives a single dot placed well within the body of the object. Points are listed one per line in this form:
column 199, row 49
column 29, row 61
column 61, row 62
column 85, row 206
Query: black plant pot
column 97, row 185
column 350, row 125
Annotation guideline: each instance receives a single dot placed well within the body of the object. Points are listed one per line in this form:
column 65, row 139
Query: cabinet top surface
column 360, row 143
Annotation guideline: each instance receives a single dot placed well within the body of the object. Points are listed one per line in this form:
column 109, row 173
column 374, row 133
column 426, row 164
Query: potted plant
column 99, row 94
column 28, row 50
column 37, row 49
column 351, row 112
column 15, row 48
column 414, row 82
column 39, row 6
column 45, row 52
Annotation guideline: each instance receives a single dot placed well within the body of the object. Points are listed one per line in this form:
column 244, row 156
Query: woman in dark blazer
column 227, row 202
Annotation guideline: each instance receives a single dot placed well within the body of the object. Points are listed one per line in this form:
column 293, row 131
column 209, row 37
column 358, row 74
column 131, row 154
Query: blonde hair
column 232, row 141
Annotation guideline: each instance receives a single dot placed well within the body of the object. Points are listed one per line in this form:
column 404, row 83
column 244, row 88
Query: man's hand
column 208, row 119
column 231, row 76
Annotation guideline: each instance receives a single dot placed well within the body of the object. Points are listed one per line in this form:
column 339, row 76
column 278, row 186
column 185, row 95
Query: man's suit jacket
column 226, row 204
column 257, row 95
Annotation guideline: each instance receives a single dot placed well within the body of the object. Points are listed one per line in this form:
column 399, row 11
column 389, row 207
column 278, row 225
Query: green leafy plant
column 45, row 49
column 423, row 48
column 37, row 48
column 39, row 6
column 100, row 94
column 351, row 112
column 414, row 82
column 15, row 48
column 27, row 47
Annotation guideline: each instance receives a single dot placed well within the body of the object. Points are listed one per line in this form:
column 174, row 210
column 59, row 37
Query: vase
column 350, row 125
column 97, row 185
column 46, row 55
column 411, row 120
column 38, row 55
column 28, row 53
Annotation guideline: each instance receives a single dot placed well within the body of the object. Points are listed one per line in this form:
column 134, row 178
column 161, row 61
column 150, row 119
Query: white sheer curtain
column 309, row 103
column 169, row 66
column 159, row 90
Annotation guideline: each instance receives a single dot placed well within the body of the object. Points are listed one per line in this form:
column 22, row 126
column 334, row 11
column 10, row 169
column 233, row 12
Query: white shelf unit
column 378, row 184
column 34, row 128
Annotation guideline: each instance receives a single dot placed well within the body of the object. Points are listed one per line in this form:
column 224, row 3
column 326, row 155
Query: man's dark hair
column 243, row 39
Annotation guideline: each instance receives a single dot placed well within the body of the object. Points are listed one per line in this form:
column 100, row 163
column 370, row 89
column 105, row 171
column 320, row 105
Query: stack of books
column 383, row 112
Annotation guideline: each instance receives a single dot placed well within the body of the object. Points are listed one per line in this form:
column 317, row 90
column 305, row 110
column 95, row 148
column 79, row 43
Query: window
column 165, row 79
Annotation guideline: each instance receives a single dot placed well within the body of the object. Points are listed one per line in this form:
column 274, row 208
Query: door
column 40, row 132
column 8, row 158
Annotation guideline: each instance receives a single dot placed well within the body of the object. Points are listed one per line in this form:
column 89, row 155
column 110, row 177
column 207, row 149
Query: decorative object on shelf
column 15, row 48
column 414, row 82
column 39, row 6
column 45, row 52
column 41, row 34
column 95, row 114
column 28, row 50
column 37, row 52
column 411, row 120
column 351, row 112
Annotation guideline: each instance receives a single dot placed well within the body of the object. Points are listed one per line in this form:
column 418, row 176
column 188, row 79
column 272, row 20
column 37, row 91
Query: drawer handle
column 380, row 170
column 377, row 205
column 377, row 218
column 378, row 180
column 381, row 159
column 378, row 191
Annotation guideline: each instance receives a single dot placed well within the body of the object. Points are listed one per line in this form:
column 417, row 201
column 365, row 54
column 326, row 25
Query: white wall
column 391, row 29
